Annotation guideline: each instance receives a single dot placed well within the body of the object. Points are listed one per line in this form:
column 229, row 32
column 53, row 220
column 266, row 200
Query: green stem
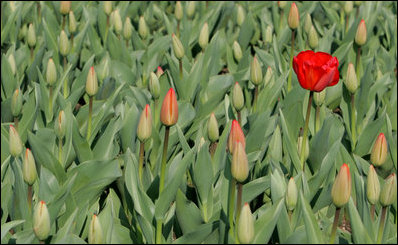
column 334, row 228
column 255, row 99
column 141, row 161
column 60, row 150
column 307, row 119
column 381, row 225
column 50, row 101
column 346, row 23
column 90, row 114
column 239, row 202
column 71, row 40
column 30, row 198
column 358, row 61
column 181, row 73
column 16, row 122
column 342, row 22
column 239, row 117
column 289, row 81
column 232, row 187
column 106, row 29
column 31, row 54
column 353, row 123
column 290, row 212
column 281, row 20
column 38, row 11
column 63, row 22
column 178, row 28
column 317, row 119
column 66, row 80
column 213, row 147
column 372, row 211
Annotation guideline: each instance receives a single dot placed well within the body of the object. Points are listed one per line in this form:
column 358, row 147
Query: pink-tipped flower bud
column 60, row 125
column 388, row 194
column 29, row 168
column 41, row 221
column 144, row 129
column 235, row 135
column 91, row 82
column 341, row 189
column 159, row 71
column 379, row 151
column 294, row 17
column 360, row 37
column 246, row 225
column 95, row 234
column 15, row 142
column 169, row 111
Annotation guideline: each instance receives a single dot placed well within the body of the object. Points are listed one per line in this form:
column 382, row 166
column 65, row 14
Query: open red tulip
column 316, row 71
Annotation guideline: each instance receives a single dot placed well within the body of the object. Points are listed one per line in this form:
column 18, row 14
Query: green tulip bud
column 360, row 36
column 22, row 32
column 307, row 23
column 313, row 38
column 378, row 154
column 357, row 3
column 64, row 7
column 178, row 12
column 13, row 66
column 41, row 221
column 294, row 17
column 388, row 194
column 282, row 4
column 238, row 100
column 142, row 28
column 31, row 35
column 299, row 145
column 341, row 189
column 95, row 235
column 60, row 125
column 256, row 73
column 240, row 16
column 108, row 7
column 268, row 75
column 212, row 128
column 319, row 97
column 204, row 36
column 12, row 6
column 239, row 165
column 144, row 129
column 15, row 142
column 237, row 51
column 191, row 9
column 63, row 44
column 51, row 73
column 103, row 68
column 351, row 81
column 117, row 21
column 291, row 195
column 127, row 29
column 246, row 225
column 16, row 103
column 268, row 34
column 72, row 22
column 91, row 82
column 372, row 186
column 29, row 168
column 348, row 6
column 154, row 86
column 177, row 47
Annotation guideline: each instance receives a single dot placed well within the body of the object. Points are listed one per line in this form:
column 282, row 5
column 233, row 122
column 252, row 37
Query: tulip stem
column 106, row 29
column 372, row 211
column 381, row 225
column 141, row 161
column 31, row 54
column 232, row 187
column 63, row 21
column 38, row 11
column 357, row 64
column 60, row 150
column 90, row 114
column 307, row 119
column 239, row 116
column 353, row 123
column 346, row 23
column 159, row 231
column 66, row 80
column 239, row 202
column 50, row 101
column 178, row 28
column 334, row 227
column 289, row 81
column 255, row 99
column 180, row 63
column 317, row 119
column 290, row 212
column 16, row 122
column 30, row 198
column 213, row 147
column 281, row 20
column 71, row 40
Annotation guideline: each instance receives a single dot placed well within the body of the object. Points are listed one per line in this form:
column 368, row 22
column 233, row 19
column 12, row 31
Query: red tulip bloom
column 316, row 71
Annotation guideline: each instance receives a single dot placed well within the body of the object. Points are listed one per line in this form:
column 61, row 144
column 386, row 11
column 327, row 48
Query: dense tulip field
column 198, row 122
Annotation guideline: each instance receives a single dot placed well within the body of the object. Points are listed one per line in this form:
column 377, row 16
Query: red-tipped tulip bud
column 388, row 194
column 144, row 129
column 246, row 225
column 379, row 151
column 372, row 186
column 360, row 37
column 64, row 7
column 63, row 44
column 238, row 100
column 204, row 36
column 16, row 103
column 256, row 74
column 60, row 125
column 291, row 195
column 95, row 235
column 154, row 86
column 91, row 82
column 319, row 97
column 239, row 165
column 29, row 168
column 177, row 47
column 351, row 81
column 108, row 7
column 240, row 15
column 235, row 135
column 41, row 221
column 237, row 51
column 142, row 28
column 51, row 73
column 341, row 189
column 294, row 17
column 15, row 142
column 31, row 35
column 72, row 22
column 169, row 111
column 159, row 71
column 178, row 12
column 212, row 128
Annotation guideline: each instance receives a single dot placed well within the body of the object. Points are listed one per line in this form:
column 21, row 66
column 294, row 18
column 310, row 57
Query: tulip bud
column 29, row 168
column 246, row 225
column 237, row 51
column 313, row 38
column 178, row 12
column 351, row 81
column 22, row 32
column 237, row 97
column 117, row 22
column 159, row 71
column 307, row 146
column 51, row 73
column 388, row 194
column 319, row 97
column 142, row 28
column 31, row 36
column 372, row 186
column 240, row 16
column 169, row 111
column 144, row 129
column 235, row 135
column 357, row 3
column 379, row 151
column 212, row 128
column 177, row 47
column 64, row 7
column 95, row 235
column 103, row 68
column 294, row 17
column 341, row 189
column 91, row 82
column 291, row 195
column 13, row 66
column 63, row 44
column 204, row 36
column 108, row 7
column 12, row 6
column 360, row 37
column 307, row 23
column 282, row 4
column 348, row 6
column 239, row 165
column 191, row 9
column 268, row 34
column 127, row 29
column 72, row 22
column 268, row 75
column 41, row 221
column 60, row 125
column 15, row 142
column 256, row 73
column 154, row 86
column 16, row 103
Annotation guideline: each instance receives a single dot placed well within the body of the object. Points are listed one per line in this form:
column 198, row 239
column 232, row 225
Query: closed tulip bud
column 144, row 129
column 12, row 6
column 204, row 36
column 307, row 23
column 341, row 189
column 22, row 32
column 64, row 7
column 16, row 103
column 357, row 3
column 291, row 195
column 299, row 145
column 360, row 37
column 235, row 135
column 13, row 66
column 60, row 125
column 178, row 12
column 91, row 82
column 31, row 35
column 282, row 4
column 127, row 29
column 237, row 97
column 159, row 71
column 256, row 73
column 154, row 86
column 95, row 235
column 239, row 165
column 246, row 225
column 351, row 81
column 191, row 9
column 29, row 168
column 348, row 6
column 72, row 22
column 372, row 186
column 63, row 44
column 117, row 22
column 294, row 17
column 15, row 142
column 103, row 68
column 108, row 7
column 388, row 194
column 169, row 111
column 212, row 128
column 177, row 47
column 379, row 151
column 51, row 73
column 240, row 16
column 41, row 221
column 268, row 34
column 142, row 28
column 313, row 38
column 319, row 97
column 268, row 75
column 237, row 51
